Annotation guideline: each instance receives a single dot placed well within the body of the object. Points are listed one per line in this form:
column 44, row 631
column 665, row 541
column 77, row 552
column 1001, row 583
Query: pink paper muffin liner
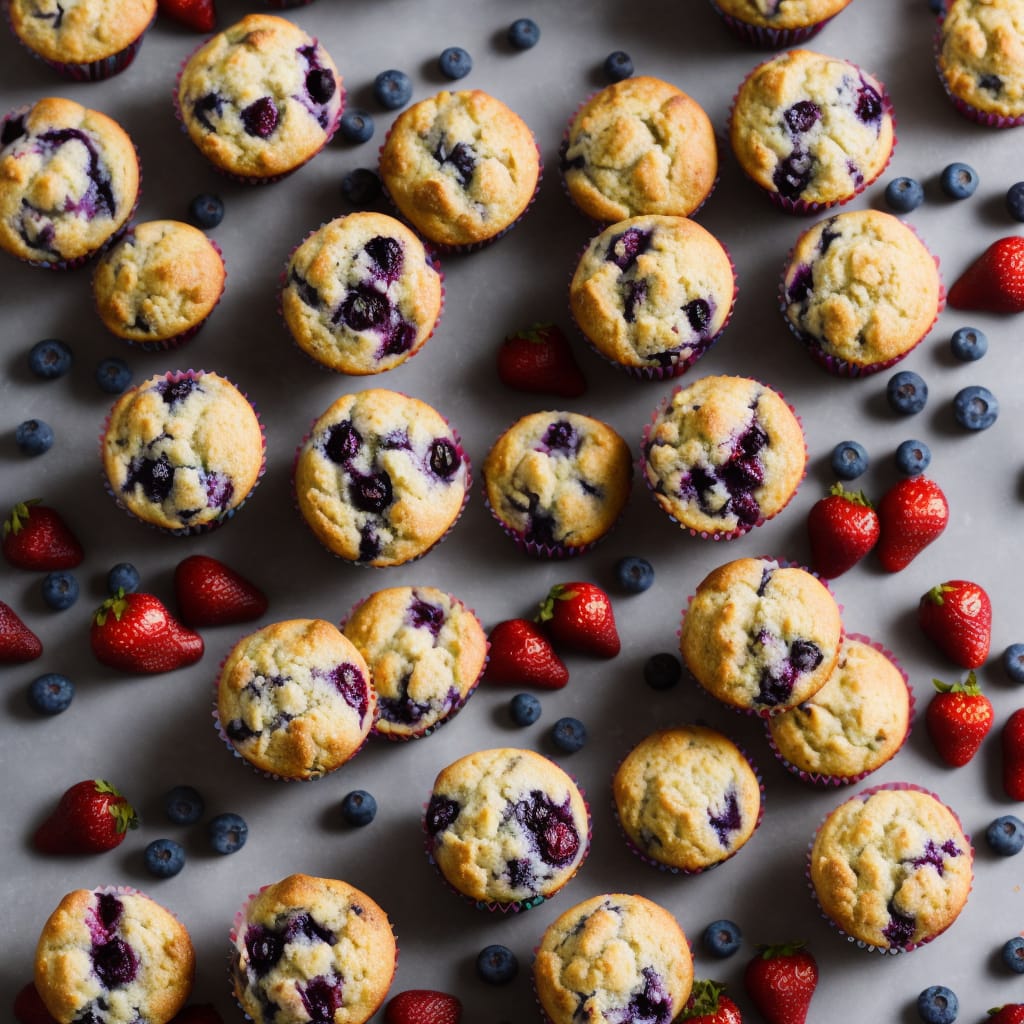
column 826, row 781
column 766, row 38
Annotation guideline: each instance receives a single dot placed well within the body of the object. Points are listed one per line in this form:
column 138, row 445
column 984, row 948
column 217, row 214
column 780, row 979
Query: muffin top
column 558, row 478
column 811, row 128
column 761, row 636
column 182, row 450
column 862, row 285
column 981, row 54
column 723, row 453
column 261, row 97
column 612, row 958
column 109, row 956
column 687, row 797
column 855, row 723
column 381, row 477
column 79, row 31
column 361, row 294
column 652, row 291
column 892, row 867
column 309, row 948
column 425, row 650
column 782, row 13
column 161, row 279
column 639, row 146
column 69, row 181
column 506, row 826
column 460, row 166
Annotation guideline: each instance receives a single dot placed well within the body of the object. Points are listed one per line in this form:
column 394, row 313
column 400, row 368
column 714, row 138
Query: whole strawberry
column 29, row 1007
column 708, row 1004
column 994, row 282
column 912, row 514
column 521, row 655
column 781, row 980
column 1013, row 755
column 210, row 593
column 1010, row 1013
column 17, row 642
column 423, row 1006
column 539, row 360
column 842, row 528
column 36, row 537
column 957, row 617
column 959, row 717
column 136, row 633
column 91, row 817
column 579, row 616
column 198, row 15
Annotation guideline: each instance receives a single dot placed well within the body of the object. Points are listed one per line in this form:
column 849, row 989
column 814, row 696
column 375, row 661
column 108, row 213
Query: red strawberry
column 136, row 633
column 1013, row 755
column 423, row 1006
column 29, row 1007
column 843, row 528
column 521, row 655
column 199, row 15
column 912, row 514
column 198, row 1013
column 781, row 981
column 708, row 1004
column 17, row 642
column 957, row 617
column 209, row 593
column 994, row 282
column 539, row 359
column 579, row 615
column 36, row 537
column 1011, row 1013
column 959, row 717
column 92, row 817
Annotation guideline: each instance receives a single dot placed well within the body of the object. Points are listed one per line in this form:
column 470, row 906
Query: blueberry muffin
column 461, row 167
column 761, row 636
column 506, row 828
column 425, row 651
column 723, row 455
column 652, row 294
column 113, row 956
column 261, row 98
column 612, row 959
column 557, row 482
column 381, row 478
column 69, row 182
column 860, row 290
column 639, row 146
column 361, row 294
column 295, row 700
column 311, row 949
column 891, row 868
column 157, row 285
column 687, row 798
column 811, row 130
column 182, row 451
column 777, row 23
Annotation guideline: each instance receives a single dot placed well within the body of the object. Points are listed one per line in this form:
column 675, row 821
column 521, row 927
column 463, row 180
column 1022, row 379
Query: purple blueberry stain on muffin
column 322, row 998
column 350, row 683
column 802, row 116
column 549, row 826
column 651, row 1004
column 935, row 855
column 342, row 442
column 154, row 476
column 220, row 489
column 425, row 615
column 726, row 819
column 320, row 85
column 403, row 710
column 443, row 458
column 561, row 437
column 260, row 117
column 624, row 249
column 265, row 947
column 441, row 813
column 210, row 103
column 115, row 963
column 901, row 927
column 175, row 391
column 305, row 926
column 387, row 257
column 460, row 157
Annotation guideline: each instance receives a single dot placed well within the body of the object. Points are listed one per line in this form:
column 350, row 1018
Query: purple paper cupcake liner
column 764, row 37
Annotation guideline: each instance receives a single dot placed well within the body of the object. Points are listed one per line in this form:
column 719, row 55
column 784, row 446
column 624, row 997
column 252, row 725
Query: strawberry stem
column 703, row 999
column 118, row 604
column 969, row 686
column 19, row 515
column 770, row 952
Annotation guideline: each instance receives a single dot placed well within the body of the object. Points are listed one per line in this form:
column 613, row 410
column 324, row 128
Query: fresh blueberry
column 975, row 408
column 113, row 375
column 356, row 125
column 1013, row 662
column 206, row 211
column 361, row 186
column 454, row 62
column 906, row 392
column 938, row 1005
column 392, row 89
column 523, row 33
column 913, row 457
column 968, row 344
column 958, row 181
column 722, row 938
column 227, row 832
column 662, row 671
column 358, row 808
column 569, row 734
column 33, row 437
column 164, row 858
column 496, row 964
column 60, row 589
column 49, row 358
column 849, row 460
column 904, row 194
column 1013, row 954
column 524, row 709
column 634, row 575
column 51, row 694
column 123, row 576
column 1015, row 201
column 618, row 65
column 184, row 805
column 1005, row 835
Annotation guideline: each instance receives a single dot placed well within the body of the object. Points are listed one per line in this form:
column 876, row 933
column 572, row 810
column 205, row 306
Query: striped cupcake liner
column 764, row 37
